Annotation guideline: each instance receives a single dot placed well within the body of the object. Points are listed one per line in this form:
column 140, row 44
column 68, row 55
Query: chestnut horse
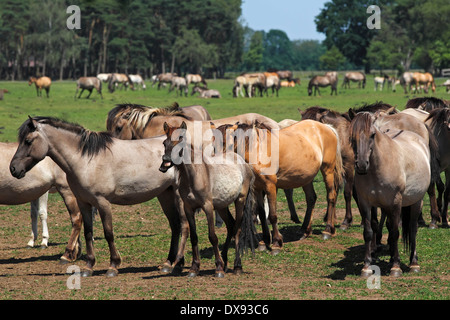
column 392, row 173
column 41, row 83
column 295, row 155
column 425, row 79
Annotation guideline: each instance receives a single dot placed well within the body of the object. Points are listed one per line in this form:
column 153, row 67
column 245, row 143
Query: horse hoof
column 396, row 272
column 275, row 251
column 432, row 226
column 192, row 274
column 87, row 273
column 414, row 269
column 64, row 261
column 220, row 274
column 326, row 235
column 344, row 227
column 366, row 273
column 262, row 247
column 112, row 272
column 238, row 271
column 166, row 269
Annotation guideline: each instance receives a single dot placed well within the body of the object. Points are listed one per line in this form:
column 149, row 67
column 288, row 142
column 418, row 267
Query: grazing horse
column 342, row 124
column 406, row 80
column 163, row 79
column 253, row 81
column 206, row 93
column 100, row 173
column 392, row 173
column 196, row 79
column 273, row 82
column 34, row 188
column 285, row 75
column 322, row 81
column 41, row 83
column 214, row 183
column 354, row 77
column 119, row 79
column 137, row 80
column 439, row 122
column 89, row 83
column 379, row 82
column 425, row 79
column 295, row 155
column 181, row 86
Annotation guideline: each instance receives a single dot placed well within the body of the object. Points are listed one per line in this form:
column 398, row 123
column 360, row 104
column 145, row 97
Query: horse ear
column 32, row 124
column 166, row 128
column 391, row 111
column 183, row 125
column 212, row 125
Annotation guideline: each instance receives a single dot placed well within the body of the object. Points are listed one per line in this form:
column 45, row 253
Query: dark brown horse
column 322, row 81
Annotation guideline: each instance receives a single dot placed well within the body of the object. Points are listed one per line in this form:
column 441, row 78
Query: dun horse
column 425, row 79
column 196, row 79
column 100, row 173
column 313, row 145
column 392, row 173
column 41, row 83
column 89, row 84
column 213, row 184
column 120, row 80
column 34, row 188
column 322, row 81
column 354, row 77
column 206, row 93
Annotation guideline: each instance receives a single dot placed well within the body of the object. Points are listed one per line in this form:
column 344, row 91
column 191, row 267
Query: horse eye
column 118, row 129
column 28, row 142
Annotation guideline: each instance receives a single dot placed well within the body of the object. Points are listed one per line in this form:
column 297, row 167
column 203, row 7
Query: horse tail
column 339, row 170
column 409, row 228
column 247, row 238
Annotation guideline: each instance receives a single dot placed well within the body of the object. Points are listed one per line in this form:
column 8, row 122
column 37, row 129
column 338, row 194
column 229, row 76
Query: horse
column 3, row 91
column 285, row 75
column 379, row 82
column 354, row 77
column 240, row 84
column 392, row 173
column 196, row 79
column 104, row 77
column 342, row 124
column 425, row 79
column 41, row 83
column 295, row 155
column 322, row 81
column 117, row 79
column 88, row 83
column 272, row 82
column 439, row 122
column 180, row 84
column 42, row 178
column 253, row 81
column 137, row 80
column 206, row 93
column 100, row 173
column 406, row 81
column 163, row 79
column 214, row 183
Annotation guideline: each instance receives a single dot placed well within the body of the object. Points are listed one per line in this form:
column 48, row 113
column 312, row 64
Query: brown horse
column 322, row 81
column 120, row 80
column 295, row 155
column 41, row 83
column 354, row 77
column 213, row 183
column 88, row 83
column 163, row 79
column 425, row 79
column 392, row 173
column 342, row 124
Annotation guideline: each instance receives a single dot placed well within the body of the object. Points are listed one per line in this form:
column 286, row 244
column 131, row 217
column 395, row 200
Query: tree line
column 208, row 37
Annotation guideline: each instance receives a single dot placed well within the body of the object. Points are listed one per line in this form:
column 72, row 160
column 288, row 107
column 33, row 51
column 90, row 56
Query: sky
column 295, row 17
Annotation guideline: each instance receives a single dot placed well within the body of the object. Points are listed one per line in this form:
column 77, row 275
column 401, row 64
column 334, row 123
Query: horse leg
column 328, row 176
column 86, row 212
column 289, row 197
column 311, row 198
column 369, row 238
column 42, row 211
column 172, row 213
column 415, row 211
column 176, row 267
column 434, row 211
column 195, row 267
column 446, row 199
column 76, row 92
column 34, row 208
column 73, row 248
column 348, row 190
column 394, row 219
column 90, row 92
column 230, row 223
column 82, row 89
column 104, row 209
column 265, row 243
column 220, row 265
column 277, row 238
column 47, row 90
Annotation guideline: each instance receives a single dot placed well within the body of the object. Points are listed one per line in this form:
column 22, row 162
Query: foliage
column 333, row 59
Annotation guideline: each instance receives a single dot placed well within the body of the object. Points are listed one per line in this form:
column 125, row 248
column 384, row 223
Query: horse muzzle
column 166, row 164
column 362, row 168
column 19, row 174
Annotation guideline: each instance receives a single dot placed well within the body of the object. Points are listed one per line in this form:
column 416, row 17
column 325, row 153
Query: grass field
column 308, row 269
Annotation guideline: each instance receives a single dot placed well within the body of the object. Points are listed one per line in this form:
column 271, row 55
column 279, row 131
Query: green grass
column 313, row 269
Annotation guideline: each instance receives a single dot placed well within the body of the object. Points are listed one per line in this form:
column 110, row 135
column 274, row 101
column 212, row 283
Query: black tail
column 247, row 238
column 409, row 228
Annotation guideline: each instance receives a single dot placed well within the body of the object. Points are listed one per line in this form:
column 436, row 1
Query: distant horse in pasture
column 322, row 81
column 206, row 93
column 104, row 77
column 180, row 84
column 196, row 79
column 272, row 82
column 137, row 81
column 285, row 75
column 240, row 85
column 406, row 80
column 213, row 184
column 379, row 82
column 41, row 83
column 3, row 91
column 354, row 77
column 392, row 173
column 255, row 81
column 163, row 79
column 425, row 79
column 120, row 80
column 89, row 83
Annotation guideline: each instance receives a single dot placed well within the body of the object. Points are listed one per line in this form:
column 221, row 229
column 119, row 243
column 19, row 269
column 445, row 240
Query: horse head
column 173, row 146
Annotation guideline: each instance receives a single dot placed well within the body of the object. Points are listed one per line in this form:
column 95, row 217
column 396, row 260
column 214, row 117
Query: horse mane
column 374, row 107
column 438, row 117
column 244, row 127
column 311, row 112
column 362, row 122
column 91, row 142
column 426, row 103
